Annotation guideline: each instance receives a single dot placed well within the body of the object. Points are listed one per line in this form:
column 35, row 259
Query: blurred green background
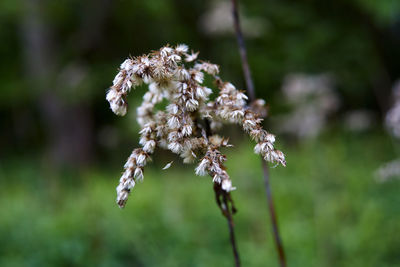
column 62, row 149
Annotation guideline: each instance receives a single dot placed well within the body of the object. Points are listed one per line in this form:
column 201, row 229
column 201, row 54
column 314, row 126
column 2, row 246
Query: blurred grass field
column 331, row 211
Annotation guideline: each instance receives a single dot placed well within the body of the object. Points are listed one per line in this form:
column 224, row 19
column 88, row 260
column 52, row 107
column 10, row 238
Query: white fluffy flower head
column 188, row 124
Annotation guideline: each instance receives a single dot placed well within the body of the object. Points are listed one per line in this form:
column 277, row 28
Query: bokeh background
column 328, row 71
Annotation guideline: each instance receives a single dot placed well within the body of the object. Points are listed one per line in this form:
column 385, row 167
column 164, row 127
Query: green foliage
column 331, row 212
column 384, row 11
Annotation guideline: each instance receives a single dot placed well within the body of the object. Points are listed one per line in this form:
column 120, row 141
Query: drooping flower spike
column 175, row 75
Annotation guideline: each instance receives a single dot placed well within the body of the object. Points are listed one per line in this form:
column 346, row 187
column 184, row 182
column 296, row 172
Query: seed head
column 174, row 76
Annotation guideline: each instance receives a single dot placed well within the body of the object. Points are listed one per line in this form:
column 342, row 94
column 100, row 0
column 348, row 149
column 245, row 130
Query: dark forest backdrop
column 62, row 149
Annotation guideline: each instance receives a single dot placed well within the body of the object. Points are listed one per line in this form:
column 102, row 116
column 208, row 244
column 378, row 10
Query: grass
column 331, row 212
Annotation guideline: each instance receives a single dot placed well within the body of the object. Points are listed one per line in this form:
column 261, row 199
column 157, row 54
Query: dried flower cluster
column 391, row 170
column 187, row 124
column 313, row 99
column 393, row 115
column 388, row 171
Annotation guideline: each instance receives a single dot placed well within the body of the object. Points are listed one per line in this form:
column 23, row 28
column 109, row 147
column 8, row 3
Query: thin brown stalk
column 227, row 207
column 243, row 51
column 225, row 203
column 275, row 229
column 251, row 93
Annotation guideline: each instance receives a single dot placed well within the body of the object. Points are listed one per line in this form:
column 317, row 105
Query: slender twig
column 225, row 203
column 278, row 241
column 251, row 93
column 243, row 52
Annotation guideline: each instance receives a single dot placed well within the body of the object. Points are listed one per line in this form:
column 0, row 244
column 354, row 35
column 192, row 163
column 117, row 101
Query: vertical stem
column 275, row 229
column 227, row 207
column 251, row 93
column 223, row 200
column 243, row 51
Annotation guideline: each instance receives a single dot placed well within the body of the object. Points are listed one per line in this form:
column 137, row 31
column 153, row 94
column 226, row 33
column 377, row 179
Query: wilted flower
column 313, row 99
column 388, row 171
column 392, row 169
column 180, row 128
column 393, row 115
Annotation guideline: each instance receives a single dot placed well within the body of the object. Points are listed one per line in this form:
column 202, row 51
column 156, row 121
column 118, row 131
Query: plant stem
column 225, row 203
column 251, row 93
column 243, row 51
column 275, row 229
